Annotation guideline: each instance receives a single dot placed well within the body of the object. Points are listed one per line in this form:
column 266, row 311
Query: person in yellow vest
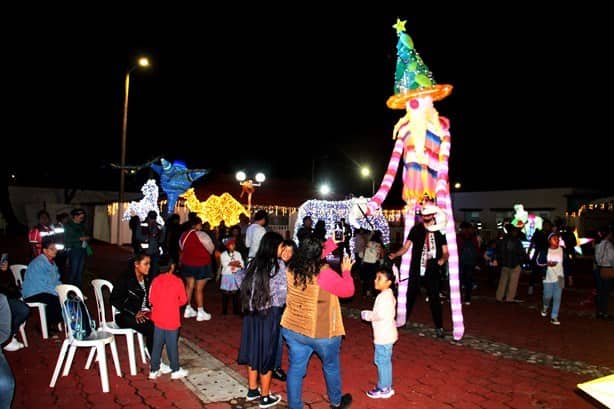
column 312, row 319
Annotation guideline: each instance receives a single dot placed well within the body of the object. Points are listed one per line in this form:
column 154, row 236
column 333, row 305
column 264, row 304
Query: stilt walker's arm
column 377, row 200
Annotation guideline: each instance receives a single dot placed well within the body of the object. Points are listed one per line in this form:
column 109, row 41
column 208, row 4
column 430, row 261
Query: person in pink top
column 384, row 332
column 312, row 321
column 166, row 295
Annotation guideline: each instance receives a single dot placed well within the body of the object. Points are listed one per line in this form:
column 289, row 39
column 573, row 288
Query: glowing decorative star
column 400, row 25
column 175, row 179
column 581, row 241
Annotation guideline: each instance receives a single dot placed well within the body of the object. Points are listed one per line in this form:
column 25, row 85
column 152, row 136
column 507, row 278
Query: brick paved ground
column 428, row 373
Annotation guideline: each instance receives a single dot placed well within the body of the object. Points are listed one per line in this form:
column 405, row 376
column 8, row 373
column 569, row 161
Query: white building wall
column 27, row 201
column 547, row 203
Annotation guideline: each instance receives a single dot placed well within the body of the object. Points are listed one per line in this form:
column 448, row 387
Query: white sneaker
column 164, row 368
column 179, row 373
column 203, row 316
column 189, row 312
column 544, row 312
column 155, row 374
column 14, row 345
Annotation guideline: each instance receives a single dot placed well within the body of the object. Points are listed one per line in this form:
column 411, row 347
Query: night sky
column 530, row 106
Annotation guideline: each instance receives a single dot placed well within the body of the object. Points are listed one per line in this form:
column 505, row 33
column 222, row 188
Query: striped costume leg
column 410, row 217
column 445, row 203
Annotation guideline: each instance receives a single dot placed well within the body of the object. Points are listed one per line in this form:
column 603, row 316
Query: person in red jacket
column 166, row 295
column 36, row 233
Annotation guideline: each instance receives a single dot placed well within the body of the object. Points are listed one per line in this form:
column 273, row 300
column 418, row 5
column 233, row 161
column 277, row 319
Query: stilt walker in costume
column 423, row 142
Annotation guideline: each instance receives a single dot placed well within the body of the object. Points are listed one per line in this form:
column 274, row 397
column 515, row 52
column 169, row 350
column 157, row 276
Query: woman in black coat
column 130, row 298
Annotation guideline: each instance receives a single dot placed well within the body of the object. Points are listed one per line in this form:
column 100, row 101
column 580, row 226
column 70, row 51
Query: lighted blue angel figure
column 175, row 179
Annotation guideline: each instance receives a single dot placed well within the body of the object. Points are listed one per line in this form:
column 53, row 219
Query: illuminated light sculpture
column 146, row 204
column 248, row 186
column 581, row 241
column 332, row 211
column 176, row 178
column 423, row 142
column 215, row 208
column 530, row 222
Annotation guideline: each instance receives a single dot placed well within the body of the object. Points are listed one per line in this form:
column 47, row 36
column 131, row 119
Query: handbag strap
column 186, row 238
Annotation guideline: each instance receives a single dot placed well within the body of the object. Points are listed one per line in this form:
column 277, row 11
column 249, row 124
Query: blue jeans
column 19, row 313
column 77, row 263
column 7, row 383
column 300, row 349
column 170, row 338
column 383, row 361
column 553, row 290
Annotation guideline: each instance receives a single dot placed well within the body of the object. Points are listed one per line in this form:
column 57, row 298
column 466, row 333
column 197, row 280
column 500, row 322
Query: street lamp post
column 366, row 172
column 248, row 186
column 324, row 189
column 142, row 62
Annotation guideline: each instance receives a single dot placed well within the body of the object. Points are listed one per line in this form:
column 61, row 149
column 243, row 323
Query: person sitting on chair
column 130, row 296
column 42, row 276
column 19, row 309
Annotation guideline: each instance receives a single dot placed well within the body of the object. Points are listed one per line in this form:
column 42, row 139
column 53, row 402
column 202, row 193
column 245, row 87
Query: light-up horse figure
column 146, row 204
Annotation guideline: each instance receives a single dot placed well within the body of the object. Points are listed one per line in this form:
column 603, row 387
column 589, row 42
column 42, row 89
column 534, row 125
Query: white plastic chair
column 113, row 328
column 97, row 340
column 17, row 270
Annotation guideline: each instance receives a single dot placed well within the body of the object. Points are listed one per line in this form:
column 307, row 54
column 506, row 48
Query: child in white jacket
column 385, row 332
column 231, row 262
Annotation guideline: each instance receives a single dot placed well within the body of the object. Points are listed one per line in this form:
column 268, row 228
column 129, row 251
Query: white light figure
column 146, row 204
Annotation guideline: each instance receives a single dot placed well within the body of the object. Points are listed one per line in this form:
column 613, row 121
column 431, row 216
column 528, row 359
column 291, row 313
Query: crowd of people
column 286, row 291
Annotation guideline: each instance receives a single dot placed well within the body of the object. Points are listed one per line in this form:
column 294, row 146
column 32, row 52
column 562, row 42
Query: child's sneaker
column 555, row 321
column 252, row 394
column 189, row 312
column 155, row 374
column 164, row 368
column 268, row 401
column 179, row 373
column 377, row 393
column 203, row 315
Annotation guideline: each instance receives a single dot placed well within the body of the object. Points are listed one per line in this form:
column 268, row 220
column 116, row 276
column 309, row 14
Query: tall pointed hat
column 412, row 78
